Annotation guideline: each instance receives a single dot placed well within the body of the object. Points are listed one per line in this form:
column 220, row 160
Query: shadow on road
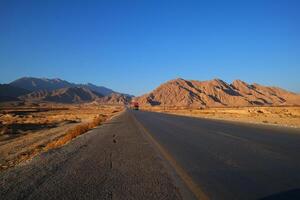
column 286, row 195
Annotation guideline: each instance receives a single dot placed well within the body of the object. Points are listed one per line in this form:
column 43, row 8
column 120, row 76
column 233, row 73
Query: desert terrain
column 162, row 154
column 149, row 100
column 27, row 130
column 217, row 99
column 277, row 115
column 217, row 93
column 38, row 114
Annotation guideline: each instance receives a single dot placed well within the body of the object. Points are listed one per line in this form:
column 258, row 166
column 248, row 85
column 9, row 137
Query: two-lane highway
column 229, row 160
column 144, row 155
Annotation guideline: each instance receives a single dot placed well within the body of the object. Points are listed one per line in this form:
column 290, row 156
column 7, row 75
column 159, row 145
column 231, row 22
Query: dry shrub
column 98, row 120
column 76, row 131
column 5, row 130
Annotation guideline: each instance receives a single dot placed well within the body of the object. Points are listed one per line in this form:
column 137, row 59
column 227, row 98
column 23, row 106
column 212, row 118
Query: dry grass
column 283, row 116
column 27, row 131
column 76, row 131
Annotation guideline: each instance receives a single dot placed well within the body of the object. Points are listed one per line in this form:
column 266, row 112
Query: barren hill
column 115, row 98
column 217, row 93
column 64, row 95
column 30, row 89
column 99, row 89
column 11, row 93
column 36, row 84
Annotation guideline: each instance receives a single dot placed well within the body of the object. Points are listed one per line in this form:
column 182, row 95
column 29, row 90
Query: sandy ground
column 26, row 131
column 283, row 116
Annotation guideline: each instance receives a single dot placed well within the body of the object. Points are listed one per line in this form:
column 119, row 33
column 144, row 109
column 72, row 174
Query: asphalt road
column 229, row 160
column 144, row 155
column 113, row 161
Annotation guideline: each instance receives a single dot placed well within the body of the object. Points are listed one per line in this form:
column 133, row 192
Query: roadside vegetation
column 76, row 131
column 28, row 130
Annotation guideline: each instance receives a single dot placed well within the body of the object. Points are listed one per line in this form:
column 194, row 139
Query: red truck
column 134, row 105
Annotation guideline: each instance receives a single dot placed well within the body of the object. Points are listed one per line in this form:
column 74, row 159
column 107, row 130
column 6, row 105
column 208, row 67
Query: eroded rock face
column 64, row 95
column 115, row 98
column 217, row 93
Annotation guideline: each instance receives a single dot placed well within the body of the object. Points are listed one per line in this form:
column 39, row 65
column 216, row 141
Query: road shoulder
column 113, row 161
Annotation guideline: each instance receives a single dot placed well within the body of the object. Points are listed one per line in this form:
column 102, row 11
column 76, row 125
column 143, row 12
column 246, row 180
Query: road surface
column 229, row 160
column 113, row 161
column 144, row 155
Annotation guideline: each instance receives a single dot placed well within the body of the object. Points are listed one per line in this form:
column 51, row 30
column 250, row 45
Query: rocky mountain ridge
column 36, row 84
column 217, row 93
column 63, row 95
column 32, row 89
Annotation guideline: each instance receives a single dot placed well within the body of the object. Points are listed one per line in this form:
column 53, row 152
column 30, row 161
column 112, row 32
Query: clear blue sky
column 133, row 46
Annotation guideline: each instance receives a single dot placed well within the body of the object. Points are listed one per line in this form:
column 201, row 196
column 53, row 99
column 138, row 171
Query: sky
column 134, row 46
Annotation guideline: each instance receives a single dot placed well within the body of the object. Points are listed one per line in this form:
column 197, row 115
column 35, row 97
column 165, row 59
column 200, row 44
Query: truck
column 134, row 105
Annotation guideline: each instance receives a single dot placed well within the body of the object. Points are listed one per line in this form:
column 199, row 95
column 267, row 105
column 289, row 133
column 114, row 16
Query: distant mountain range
column 115, row 98
column 177, row 92
column 217, row 93
column 11, row 93
column 34, row 84
column 59, row 91
column 63, row 95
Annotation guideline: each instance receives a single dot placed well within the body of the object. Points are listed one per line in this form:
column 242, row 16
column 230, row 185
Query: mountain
column 11, row 93
column 100, row 89
column 64, row 95
column 36, row 84
column 57, row 90
column 115, row 98
column 217, row 93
